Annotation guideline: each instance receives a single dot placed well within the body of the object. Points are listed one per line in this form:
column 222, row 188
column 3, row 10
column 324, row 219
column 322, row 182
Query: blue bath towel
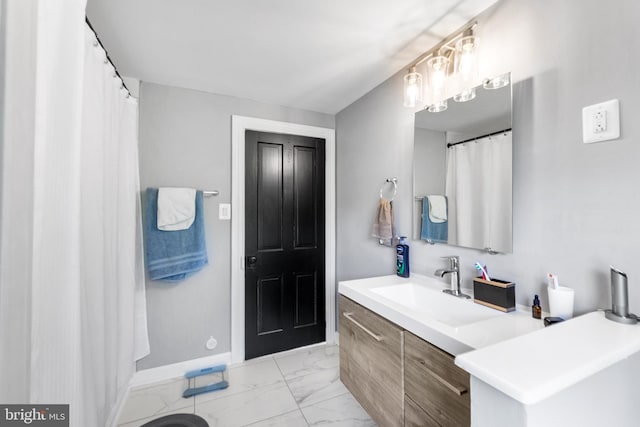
column 172, row 256
column 431, row 231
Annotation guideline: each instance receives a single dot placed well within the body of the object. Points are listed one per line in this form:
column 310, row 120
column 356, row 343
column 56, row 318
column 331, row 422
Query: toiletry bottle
column 536, row 310
column 402, row 257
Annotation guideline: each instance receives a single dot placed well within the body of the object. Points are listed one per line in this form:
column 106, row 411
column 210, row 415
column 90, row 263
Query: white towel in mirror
column 437, row 209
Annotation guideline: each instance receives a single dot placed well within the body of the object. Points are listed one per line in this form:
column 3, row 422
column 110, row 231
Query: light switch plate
column 224, row 211
column 601, row 122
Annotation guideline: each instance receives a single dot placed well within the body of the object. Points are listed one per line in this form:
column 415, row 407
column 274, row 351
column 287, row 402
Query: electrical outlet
column 601, row 122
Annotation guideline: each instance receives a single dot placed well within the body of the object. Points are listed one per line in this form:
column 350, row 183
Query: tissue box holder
column 497, row 294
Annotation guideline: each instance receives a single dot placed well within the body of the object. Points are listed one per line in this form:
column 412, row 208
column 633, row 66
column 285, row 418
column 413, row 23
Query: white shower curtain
column 478, row 189
column 72, row 308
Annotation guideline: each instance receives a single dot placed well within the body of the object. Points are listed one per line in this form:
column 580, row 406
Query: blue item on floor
column 172, row 256
column 219, row 385
column 205, row 371
column 205, row 389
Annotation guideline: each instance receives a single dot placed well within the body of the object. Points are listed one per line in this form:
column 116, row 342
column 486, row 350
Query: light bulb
column 412, row 88
column 466, row 68
column 438, row 66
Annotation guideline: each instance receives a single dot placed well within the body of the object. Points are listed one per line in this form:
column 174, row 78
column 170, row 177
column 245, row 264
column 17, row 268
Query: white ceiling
column 315, row 55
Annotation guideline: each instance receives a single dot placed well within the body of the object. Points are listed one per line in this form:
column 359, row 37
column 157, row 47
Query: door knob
column 251, row 261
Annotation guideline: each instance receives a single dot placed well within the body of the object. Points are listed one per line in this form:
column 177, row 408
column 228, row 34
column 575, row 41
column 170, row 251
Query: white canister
column 561, row 302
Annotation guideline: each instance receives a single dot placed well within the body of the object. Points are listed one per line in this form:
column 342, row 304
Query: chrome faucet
column 454, row 270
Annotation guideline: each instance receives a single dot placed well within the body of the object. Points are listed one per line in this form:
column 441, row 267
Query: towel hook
column 393, row 181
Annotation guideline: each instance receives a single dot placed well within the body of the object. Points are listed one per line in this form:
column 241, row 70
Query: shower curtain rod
column 86, row 19
column 478, row 137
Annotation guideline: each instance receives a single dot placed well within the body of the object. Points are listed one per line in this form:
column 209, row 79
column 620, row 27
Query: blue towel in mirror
column 431, row 231
column 173, row 256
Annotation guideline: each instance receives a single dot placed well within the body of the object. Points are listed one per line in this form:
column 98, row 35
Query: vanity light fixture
column 412, row 88
column 451, row 64
column 497, row 82
column 466, row 67
column 438, row 67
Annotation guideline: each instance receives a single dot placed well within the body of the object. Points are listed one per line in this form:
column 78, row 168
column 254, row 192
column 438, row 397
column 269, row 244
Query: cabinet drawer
column 384, row 407
column 371, row 362
column 433, row 382
column 414, row 416
column 374, row 343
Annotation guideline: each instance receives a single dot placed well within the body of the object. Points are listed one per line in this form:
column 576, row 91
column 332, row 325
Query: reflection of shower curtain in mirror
column 478, row 188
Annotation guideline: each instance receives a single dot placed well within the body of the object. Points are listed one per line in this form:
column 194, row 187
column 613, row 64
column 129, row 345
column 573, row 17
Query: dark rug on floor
column 178, row 420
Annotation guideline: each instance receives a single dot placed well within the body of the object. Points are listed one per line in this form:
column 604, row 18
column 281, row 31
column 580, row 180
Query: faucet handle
column 454, row 261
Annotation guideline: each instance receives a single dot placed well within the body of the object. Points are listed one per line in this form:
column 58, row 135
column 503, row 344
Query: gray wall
column 185, row 140
column 576, row 206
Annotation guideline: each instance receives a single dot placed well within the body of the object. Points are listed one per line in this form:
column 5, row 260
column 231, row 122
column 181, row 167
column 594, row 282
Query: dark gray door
column 284, row 242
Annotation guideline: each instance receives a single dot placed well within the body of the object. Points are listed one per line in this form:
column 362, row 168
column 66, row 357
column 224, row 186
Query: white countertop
column 511, row 352
column 533, row 367
column 454, row 340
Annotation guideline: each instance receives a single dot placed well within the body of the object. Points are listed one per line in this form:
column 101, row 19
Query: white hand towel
column 176, row 208
column 437, row 209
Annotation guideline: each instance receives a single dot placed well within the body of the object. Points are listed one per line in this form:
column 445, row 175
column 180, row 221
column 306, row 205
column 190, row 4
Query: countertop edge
column 470, row 363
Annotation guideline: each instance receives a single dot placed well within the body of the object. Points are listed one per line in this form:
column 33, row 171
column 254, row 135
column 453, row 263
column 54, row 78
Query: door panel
column 270, row 197
column 306, row 300
column 284, row 242
column 305, row 209
column 270, row 305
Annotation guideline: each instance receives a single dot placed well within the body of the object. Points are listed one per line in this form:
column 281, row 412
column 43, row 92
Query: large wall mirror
column 462, row 177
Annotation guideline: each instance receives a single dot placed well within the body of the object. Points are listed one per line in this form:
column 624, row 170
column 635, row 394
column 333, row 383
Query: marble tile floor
column 293, row 389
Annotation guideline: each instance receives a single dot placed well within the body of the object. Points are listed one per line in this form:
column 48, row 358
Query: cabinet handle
column 361, row 326
column 456, row 389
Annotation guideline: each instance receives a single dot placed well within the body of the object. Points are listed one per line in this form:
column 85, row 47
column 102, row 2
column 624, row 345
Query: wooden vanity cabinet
column 436, row 389
column 398, row 378
column 415, row 416
column 371, row 362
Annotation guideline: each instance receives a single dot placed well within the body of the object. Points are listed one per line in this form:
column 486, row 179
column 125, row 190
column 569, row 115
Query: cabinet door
column 371, row 362
column 415, row 416
column 435, row 384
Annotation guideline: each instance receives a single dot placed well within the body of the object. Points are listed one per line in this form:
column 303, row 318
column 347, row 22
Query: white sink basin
column 418, row 305
column 444, row 308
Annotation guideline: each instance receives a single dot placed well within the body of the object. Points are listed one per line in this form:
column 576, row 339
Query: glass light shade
column 438, row 66
column 466, row 68
column 497, row 82
column 412, row 89
column 438, row 107
column 465, row 95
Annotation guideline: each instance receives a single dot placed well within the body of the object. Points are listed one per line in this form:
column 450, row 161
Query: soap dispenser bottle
column 402, row 257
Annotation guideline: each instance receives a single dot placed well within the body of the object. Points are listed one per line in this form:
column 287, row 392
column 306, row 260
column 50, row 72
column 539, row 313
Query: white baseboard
column 175, row 370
